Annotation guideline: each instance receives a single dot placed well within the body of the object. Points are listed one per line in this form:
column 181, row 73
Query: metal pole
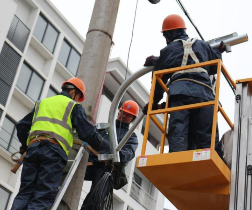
column 230, row 41
column 130, row 131
column 112, row 112
column 92, row 70
column 96, row 52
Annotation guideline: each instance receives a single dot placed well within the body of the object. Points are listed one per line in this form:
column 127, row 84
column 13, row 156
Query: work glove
column 222, row 47
column 23, row 149
column 145, row 109
column 119, row 176
column 150, row 61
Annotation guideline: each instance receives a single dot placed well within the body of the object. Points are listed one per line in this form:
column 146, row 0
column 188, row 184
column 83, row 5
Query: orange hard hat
column 130, row 107
column 77, row 83
column 173, row 22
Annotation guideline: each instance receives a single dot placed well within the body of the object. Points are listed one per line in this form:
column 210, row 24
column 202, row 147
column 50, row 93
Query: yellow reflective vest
column 52, row 118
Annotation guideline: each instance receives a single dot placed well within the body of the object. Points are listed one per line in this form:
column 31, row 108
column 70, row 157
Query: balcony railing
column 142, row 197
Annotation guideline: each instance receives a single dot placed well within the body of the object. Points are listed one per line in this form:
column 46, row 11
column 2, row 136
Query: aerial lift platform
column 195, row 179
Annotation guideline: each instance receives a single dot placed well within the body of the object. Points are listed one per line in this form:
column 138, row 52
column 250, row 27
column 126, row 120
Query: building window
column 1, row 111
column 129, row 208
column 30, row 82
column 18, row 33
column 138, row 179
column 4, row 198
column 9, row 61
column 51, row 92
column 8, row 136
column 69, row 57
column 46, row 33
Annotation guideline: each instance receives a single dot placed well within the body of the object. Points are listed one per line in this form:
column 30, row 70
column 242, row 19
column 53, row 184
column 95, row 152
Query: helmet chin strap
column 75, row 94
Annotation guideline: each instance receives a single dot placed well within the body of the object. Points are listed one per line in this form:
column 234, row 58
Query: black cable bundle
column 103, row 193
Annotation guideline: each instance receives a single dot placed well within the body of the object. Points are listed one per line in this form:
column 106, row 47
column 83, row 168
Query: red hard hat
column 173, row 22
column 130, row 107
column 79, row 84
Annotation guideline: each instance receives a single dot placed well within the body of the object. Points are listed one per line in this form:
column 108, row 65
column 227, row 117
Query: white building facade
column 39, row 50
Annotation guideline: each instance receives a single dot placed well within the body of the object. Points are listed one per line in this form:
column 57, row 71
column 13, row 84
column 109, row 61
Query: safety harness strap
column 52, row 135
column 36, row 111
column 187, row 44
column 197, row 70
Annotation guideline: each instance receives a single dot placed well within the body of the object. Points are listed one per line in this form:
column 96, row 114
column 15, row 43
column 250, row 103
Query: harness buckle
column 37, row 138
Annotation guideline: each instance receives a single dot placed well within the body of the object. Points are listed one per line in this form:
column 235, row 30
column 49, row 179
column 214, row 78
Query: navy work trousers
column 190, row 129
column 40, row 178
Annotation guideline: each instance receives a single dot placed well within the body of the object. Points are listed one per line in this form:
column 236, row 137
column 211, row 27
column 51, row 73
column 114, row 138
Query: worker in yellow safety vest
column 46, row 134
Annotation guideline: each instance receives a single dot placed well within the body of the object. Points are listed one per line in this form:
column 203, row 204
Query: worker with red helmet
column 188, row 129
column 46, row 134
column 127, row 113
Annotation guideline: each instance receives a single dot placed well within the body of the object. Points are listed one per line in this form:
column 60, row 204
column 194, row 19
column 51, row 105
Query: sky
column 213, row 18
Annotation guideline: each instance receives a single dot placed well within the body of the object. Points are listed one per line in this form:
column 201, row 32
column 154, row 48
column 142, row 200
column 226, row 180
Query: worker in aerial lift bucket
column 188, row 129
column 127, row 113
column 46, row 135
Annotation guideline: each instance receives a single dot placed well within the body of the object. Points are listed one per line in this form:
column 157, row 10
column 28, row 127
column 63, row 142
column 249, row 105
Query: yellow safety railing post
column 147, row 124
column 216, row 105
column 224, row 70
column 164, row 127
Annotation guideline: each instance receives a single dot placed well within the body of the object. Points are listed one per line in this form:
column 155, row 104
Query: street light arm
column 113, row 109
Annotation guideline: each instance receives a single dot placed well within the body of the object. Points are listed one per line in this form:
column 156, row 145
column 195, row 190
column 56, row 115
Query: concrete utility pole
column 92, row 71
column 96, row 52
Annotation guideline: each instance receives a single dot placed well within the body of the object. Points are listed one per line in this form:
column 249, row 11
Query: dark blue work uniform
column 95, row 172
column 188, row 129
column 44, row 162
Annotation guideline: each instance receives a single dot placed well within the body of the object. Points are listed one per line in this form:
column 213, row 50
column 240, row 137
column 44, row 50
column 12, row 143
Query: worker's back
column 174, row 55
column 52, row 118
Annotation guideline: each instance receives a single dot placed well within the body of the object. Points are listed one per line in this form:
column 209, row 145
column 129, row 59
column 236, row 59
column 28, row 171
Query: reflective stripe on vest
column 62, row 122
column 188, row 51
column 61, row 128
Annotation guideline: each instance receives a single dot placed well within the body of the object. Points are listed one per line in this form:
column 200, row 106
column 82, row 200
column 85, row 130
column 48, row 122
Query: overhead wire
column 108, row 201
column 190, row 19
column 127, row 65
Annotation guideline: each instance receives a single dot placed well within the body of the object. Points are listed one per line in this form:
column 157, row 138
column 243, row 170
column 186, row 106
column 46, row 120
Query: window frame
column 43, row 36
column 8, row 55
column 13, row 131
column 140, row 178
column 7, row 202
column 29, row 81
column 23, row 24
column 53, row 89
column 68, row 57
column 11, row 134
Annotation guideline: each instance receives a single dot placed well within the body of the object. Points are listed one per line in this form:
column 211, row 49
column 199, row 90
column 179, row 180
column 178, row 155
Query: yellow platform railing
column 157, row 77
